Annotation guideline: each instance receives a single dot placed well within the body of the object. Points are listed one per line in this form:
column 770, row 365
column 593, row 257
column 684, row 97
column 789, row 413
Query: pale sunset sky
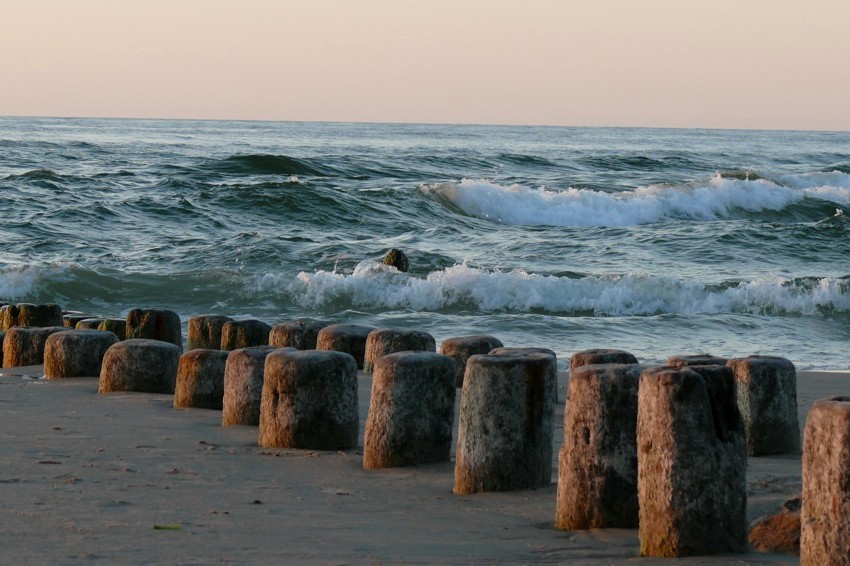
column 773, row 64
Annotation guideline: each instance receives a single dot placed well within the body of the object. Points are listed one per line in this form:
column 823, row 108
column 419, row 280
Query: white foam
column 813, row 180
column 833, row 186
column 22, row 282
column 372, row 285
column 838, row 195
column 521, row 205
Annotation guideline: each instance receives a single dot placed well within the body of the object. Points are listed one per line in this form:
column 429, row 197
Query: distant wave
column 715, row 199
column 263, row 164
column 37, row 175
column 623, row 162
column 462, row 287
column 523, row 159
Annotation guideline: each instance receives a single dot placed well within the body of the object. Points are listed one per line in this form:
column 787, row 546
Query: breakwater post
column 236, row 334
column 24, row 345
column 460, row 348
column 597, row 464
column 155, row 324
column 76, row 353
column 411, row 410
column 600, row 356
column 825, row 527
column 309, row 400
column 385, row 341
column 551, row 372
column 205, row 331
column 348, row 338
column 200, row 379
column 301, row 334
column 145, row 366
column 506, row 424
column 243, row 386
column 691, row 463
column 767, row 399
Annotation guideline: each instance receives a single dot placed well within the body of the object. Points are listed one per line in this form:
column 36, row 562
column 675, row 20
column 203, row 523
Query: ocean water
column 660, row 241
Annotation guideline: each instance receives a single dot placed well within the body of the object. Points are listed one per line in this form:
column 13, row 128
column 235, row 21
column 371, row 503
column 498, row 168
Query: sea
column 656, row 241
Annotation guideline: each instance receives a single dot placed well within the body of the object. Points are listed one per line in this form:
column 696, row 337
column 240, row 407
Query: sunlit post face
column 759, row 64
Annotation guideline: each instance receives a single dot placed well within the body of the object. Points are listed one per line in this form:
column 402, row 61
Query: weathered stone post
column 691, row 463
column 460, row 348
column 411, row 411
column 301, row 334
column 825, row 517
column 70, row 320
column 597, row 469
column 348, row 338
column 385, row 341
column 117, row 326
column 76, row 353
column 695, row 360
column 49, row 314
column 145, row 366
column 309, row 400
column 200, row 379
column 767, row 399
column 552, row 372
column 28, row 314
column 205, row 332
column 506, row 424
column 91, row 324
column 236, row 334
column 24, row 345
column 155, row 324
column 243, row 386
column 600, row 356
column 8, row 316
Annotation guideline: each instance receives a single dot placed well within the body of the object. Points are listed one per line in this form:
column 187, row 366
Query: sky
column 755, row 64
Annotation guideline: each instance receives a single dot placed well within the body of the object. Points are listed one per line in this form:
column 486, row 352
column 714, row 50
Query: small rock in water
column 397, row 259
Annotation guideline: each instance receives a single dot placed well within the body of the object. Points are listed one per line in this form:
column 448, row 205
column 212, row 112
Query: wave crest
column 37, row 175
column 462, row 287
column 716, row 199
column 264, row 164
column 25, row 282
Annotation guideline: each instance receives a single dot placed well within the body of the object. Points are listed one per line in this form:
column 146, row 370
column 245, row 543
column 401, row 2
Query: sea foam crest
column 461, row 286
column 22, row 282
column 817, row 179
column 521, row 205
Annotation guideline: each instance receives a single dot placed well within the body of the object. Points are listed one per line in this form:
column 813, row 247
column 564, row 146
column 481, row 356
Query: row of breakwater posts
column 660, row 448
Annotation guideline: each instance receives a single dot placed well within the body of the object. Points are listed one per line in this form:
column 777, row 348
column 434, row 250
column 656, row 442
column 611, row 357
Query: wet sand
column 127, row 478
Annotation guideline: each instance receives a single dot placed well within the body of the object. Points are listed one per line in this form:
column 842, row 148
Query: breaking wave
column 716, row 199
column 373, row 285
column 22, row 282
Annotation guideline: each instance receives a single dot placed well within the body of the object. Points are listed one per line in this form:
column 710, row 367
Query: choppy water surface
column 657, row 241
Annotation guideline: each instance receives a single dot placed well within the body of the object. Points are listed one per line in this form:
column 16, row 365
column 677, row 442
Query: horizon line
column 404, row 123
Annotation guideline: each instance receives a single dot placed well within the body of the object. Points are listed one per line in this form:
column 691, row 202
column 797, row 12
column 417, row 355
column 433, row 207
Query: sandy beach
column 127, row 478
column 629, row 180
